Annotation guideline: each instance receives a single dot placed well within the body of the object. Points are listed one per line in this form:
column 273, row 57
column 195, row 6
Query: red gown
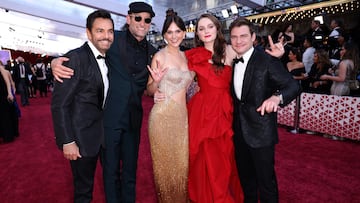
column 212, row 170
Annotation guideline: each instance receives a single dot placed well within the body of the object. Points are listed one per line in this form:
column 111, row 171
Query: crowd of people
column 192, row 144
column 321, row 54
column 218, row 145
column 25, row 79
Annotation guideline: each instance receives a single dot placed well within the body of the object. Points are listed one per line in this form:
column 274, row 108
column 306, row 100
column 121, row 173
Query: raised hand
column 157, row 73
column 276, row 50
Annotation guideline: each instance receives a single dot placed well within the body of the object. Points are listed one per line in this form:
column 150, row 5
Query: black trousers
column 119, row 162
column 256, row 168
column 83, row 170
column 23, row 89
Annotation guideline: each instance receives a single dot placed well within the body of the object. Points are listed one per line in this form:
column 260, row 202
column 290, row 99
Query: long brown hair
column 323, row 59
column 219, row 44
column 352, row 53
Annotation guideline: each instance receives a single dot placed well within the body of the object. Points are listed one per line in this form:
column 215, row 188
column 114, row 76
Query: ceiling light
column 234, row 9
column 225, row 13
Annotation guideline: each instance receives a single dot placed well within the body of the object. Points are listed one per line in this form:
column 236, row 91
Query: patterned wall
column 329, row 114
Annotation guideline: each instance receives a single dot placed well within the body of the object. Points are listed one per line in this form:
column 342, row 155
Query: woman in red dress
column 212, row 171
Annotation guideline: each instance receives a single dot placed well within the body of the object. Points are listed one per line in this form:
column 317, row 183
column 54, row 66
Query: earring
column 166, row 42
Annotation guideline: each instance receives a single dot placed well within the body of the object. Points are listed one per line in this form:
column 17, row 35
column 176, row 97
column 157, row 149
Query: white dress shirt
column 308, row 58
column 239, row 73
column 103, row 69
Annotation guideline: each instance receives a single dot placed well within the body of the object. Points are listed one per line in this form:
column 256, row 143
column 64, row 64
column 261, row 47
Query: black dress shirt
column 138, row 51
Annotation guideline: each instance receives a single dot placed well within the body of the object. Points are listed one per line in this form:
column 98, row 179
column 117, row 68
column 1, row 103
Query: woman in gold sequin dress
column 168, row 121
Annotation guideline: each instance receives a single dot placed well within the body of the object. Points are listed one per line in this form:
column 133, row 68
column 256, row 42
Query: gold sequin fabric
column 168, row 135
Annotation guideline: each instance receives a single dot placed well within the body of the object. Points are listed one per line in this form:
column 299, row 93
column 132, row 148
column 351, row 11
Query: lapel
column 94, row 67
column 248, row 76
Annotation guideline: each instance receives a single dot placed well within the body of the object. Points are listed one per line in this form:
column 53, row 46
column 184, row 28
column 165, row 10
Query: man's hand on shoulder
column 59, row 71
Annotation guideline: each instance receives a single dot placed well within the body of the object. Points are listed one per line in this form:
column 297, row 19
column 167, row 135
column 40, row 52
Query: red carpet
column 309, row 168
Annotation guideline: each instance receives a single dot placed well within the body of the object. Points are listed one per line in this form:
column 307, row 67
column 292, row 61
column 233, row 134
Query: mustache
column 105, row 39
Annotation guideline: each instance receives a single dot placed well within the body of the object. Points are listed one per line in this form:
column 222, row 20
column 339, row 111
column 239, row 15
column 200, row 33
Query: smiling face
column 206, row 30
column 139, row 24
column 174, row 35
column 101, row 34
column 241, row 39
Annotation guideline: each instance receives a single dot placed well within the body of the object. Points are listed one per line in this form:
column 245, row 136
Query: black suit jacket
column 16, row 73
column 77, row 104
column 123, row 107
column 264, row 75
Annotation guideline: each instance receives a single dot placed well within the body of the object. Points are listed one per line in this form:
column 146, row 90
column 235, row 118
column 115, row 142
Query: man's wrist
column 69, row 143
column 279, row 95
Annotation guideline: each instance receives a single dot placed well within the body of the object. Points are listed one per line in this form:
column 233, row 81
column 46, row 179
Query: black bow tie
column 100, row 57
column 236, row 60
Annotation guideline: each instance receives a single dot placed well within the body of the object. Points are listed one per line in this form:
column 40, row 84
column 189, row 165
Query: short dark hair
column 38, row 60
column 338, row 22
column 97, row 14
column 316, row 22
column 309, row 39
column 240, row 21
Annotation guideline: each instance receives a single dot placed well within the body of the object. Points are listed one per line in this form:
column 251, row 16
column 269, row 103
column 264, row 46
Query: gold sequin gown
column 168, row 135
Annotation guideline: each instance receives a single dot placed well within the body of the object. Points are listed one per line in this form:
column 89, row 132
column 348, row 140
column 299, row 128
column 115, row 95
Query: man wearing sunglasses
column 127, row 59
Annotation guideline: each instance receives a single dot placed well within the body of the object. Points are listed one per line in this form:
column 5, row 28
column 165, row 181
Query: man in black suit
column 260, row 83
column 78, row 103
column 127, row 57
column 317, row 34
column 21, row 74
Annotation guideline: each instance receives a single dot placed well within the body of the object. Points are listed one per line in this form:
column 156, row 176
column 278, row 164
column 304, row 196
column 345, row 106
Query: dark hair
column 240, row 21
column 323, row 59
column 97, row 14
column 286, row 27
column 38, row 60
column 219, row 44
column 170, row 19
column 352, row 53
column 338, row 22
column 170, row 12
column 309, row 40
column 297, row 53
column 316, row 22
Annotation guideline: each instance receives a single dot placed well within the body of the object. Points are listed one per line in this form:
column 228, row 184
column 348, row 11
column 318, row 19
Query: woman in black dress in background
column 8, row 117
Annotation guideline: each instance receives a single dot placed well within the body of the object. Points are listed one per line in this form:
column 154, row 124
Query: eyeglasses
column 139, row 18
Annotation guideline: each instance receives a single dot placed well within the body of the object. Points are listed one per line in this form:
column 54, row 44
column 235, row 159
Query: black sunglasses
column 139, row 18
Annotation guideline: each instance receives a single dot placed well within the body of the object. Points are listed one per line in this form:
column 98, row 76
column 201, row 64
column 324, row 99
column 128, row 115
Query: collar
column 246, row 56
column 133, row 41
column 94, row 49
